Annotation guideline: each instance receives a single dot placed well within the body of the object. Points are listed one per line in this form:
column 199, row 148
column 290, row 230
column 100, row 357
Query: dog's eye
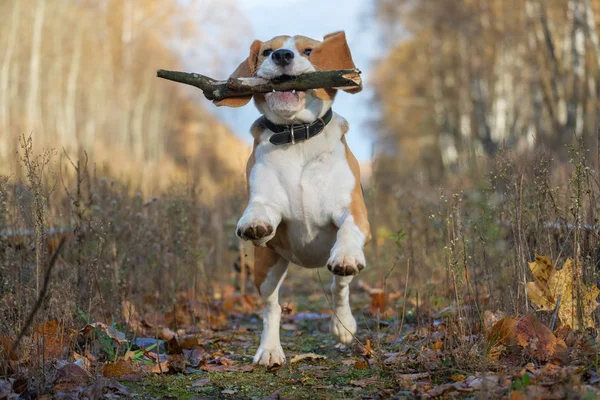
column 267, row 52
column 307, row 52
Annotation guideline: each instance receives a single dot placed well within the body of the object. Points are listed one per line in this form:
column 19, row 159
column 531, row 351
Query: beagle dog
column 306, row 203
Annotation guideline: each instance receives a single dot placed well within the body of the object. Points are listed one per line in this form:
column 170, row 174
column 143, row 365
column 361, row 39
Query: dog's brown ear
column 333, row 54
column 245, row 70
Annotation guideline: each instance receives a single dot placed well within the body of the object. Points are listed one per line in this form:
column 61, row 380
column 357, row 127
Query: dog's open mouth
column 289, row 96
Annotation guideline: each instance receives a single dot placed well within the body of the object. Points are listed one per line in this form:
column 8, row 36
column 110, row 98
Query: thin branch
column 42, row 294
column 555, row 313
column 235, row 87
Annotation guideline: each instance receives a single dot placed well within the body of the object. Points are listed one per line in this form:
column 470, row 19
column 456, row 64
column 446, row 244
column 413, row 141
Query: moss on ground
column 327, row 379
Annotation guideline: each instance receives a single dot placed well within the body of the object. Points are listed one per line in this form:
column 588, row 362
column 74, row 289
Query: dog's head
column 293, row 56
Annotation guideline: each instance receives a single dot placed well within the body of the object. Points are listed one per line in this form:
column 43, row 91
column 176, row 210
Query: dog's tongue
column 285, row 96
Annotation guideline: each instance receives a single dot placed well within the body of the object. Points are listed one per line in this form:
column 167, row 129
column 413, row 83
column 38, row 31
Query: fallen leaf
column 82, row 361
column 6, row 344
column 363, row 383
column 289, row 327
column 307, row 356
column 52, row 339
column 481, row 382
column 367, row 349
column 166, row 334
column 20, row 385
column 174, row 347
column 490, row 318
column 361, row 364
column 180, row 316
column 503, row 332
column 379, row 301
column 70, row 377
column 201, row 382
column 177, row 363
column 310, row 316
column 190, row 342
column 566, row 283
column 458, row 377
column 227, row 368
column 538, row 340
column 110, row 331
column 119, row 369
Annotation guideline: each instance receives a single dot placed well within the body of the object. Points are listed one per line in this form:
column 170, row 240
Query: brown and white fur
column 306, row 203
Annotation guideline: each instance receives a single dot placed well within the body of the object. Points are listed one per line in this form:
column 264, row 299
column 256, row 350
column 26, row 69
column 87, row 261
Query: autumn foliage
column 482, row 276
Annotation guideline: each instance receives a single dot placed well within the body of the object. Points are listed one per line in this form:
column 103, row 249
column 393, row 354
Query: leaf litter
column 525, row 357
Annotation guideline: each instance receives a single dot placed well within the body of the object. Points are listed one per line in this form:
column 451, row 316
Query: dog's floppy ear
column 245, row 70
column 333, row 54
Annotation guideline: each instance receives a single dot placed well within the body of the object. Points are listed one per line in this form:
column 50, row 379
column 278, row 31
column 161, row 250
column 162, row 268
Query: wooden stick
column 235, row 87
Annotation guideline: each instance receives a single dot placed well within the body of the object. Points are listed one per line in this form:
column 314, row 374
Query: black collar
column 284, row 134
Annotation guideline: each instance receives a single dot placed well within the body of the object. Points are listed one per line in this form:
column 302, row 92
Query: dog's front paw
column 269, row 356
column 256, row 230
column 346, row 263
column 343, row 326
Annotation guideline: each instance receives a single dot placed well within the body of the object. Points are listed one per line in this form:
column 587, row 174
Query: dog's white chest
column 308, row 183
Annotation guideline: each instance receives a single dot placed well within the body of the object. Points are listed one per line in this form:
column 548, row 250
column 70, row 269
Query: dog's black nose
column 282, row 57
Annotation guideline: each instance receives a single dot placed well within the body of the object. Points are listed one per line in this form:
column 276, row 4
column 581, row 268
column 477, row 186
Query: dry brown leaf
column 307, row 356
column 111, row 331
column 551, row 283
column 201, row 382
column 6, row 344
column 70, row 377
column 119, row 369
column 177, row 363
column 227, row 368
column 490, row 318
column 458, row 377
column 503, row 332
column 538, row 340
column 379, row 301
column 363, row 383
column 190, row 342
column 52, row 338
column 367, row 350
column 361, row 364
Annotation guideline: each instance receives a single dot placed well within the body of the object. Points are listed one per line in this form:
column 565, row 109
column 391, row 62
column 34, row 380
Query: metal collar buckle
column 307, row 134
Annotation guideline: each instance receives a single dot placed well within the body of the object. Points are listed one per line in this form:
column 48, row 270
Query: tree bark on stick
column 234, row 87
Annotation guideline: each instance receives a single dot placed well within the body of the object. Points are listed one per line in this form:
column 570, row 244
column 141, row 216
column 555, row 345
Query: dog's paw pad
column 346, row 265
column 256, row 230
column 270, row 356
column 345, row 269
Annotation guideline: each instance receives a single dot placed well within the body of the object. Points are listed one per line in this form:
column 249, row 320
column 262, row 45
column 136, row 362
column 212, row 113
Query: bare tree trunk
column 70, row 102
column 4, row 81
column 591, row 29
column 575, row 107
column 140, row 141
column 33, row 107
column 126, row 56
column 556, row 81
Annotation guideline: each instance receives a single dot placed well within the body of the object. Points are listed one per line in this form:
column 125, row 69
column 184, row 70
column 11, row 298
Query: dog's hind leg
column 269, row 271
column 343, row 324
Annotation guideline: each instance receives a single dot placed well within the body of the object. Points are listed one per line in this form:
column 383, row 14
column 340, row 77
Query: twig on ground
column 404, row 300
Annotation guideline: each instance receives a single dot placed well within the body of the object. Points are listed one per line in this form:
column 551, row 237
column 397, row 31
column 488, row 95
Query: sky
column 314, row 18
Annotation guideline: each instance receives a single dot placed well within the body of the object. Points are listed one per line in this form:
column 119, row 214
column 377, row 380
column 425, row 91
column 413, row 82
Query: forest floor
column 430, row 354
